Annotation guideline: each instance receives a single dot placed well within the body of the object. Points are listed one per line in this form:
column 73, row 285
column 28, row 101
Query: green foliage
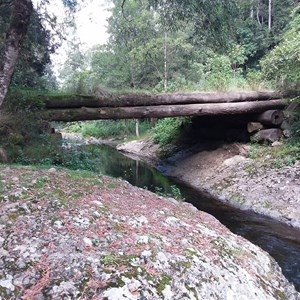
column 32, row 66
column 282, row 64
column 168, row 130
column 178, row 46
column 254, row 79
column 221, row 73
column 174, row 192
column 276, row 157
column 295, row 123
column 218, row 72
column 107, row 128
column 26, row 139
column 23, row 101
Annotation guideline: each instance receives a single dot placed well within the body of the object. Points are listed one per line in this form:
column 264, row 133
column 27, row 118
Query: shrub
column 168, row 130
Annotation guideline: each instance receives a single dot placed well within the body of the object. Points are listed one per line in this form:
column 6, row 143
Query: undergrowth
column 276, row 157
column 169, row 130
column 107, row 128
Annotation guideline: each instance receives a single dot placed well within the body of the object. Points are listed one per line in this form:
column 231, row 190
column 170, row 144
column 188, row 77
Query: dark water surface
column 279, row 240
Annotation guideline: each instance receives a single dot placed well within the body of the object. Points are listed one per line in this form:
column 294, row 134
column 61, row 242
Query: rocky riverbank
column 78, row 235
column 228, row 173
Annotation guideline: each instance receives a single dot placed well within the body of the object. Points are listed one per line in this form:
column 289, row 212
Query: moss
column 190, row 252
column 112, row 185
column 222, row 247
column 162, row 283
column 193, row 290
column 12, row 217
column 40, row 182
column 280, row 295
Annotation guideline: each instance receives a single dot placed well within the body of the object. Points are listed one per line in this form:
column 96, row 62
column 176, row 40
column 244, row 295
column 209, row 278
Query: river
column 279, row 240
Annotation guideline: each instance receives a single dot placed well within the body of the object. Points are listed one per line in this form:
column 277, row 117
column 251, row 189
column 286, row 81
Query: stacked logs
column 259, row 113
column 137, row 106
column 268, row 126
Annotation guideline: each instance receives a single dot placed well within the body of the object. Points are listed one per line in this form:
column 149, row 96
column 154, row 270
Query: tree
column 20, row 12
column 20, row 18
column 282, row 64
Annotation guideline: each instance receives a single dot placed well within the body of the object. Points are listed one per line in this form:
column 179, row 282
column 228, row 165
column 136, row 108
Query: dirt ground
column 229, row 174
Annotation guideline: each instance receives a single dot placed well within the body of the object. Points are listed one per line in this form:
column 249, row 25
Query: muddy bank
column 228, row 174
column 78, row 235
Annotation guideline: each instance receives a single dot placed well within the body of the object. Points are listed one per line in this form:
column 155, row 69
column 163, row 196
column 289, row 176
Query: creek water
column 279, row 240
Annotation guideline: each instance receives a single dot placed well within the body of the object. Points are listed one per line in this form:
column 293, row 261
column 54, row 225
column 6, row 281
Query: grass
column 276, row 157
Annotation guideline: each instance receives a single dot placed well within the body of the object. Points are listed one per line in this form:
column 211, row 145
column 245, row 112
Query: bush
column 168, row 130
column 219, row 73
column 23, row 136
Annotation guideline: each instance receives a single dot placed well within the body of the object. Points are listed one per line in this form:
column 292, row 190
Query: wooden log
column 161, row 111
column 268, row 135
column 254, row 127
column 271, row 117
column 128, row 100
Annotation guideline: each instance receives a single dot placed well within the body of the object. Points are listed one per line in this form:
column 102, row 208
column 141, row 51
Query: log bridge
column 261, row 109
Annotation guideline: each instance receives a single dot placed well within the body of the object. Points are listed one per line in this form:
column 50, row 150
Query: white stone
column 146, row 253
column 7, row 283
column 143, row 239
column 121, row 293
column 167, row 293
column 171, row 220
column 88, row 241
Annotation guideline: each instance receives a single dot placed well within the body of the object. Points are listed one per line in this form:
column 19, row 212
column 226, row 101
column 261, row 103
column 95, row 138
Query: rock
column 191, row 256
column 234, row 160
column 276, row 144
column 52, row 170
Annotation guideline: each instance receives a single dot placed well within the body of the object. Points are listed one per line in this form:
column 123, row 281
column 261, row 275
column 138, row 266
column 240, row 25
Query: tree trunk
column 21, row 13
column 137, row 129
column 78, row 101
column 165, row 60
column 270, row 15
column 162, row 111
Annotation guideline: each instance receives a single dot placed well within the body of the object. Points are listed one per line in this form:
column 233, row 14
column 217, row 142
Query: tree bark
column 125, row 100
column 270, row 15
column 21, row 13
column 162, row 111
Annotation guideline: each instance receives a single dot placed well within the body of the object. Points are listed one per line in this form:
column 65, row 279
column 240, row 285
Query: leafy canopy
column 282, row 64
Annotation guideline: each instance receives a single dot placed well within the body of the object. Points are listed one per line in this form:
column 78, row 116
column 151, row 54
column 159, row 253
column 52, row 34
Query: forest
column 153, row 46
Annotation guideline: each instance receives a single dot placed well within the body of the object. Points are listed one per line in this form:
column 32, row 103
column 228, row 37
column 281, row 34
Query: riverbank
column 79, row 235
column 229, row 174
